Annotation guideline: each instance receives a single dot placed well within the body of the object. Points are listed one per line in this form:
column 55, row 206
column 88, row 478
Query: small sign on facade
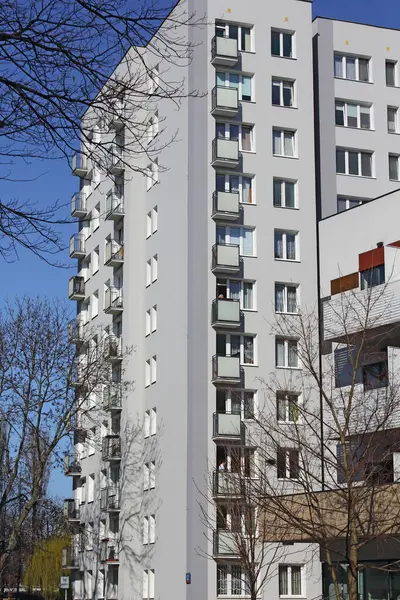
column 64, row 583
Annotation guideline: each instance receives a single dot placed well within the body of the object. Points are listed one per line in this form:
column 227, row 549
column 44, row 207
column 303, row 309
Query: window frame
column 241, row 283
column 287, row 397
column 282, row 83
column 285, row 233
column 349, row 200
column 227, row 83
column 359, row 153
column 241, row 177
column 240, row 127
column 395, row 109
column 285, row 286
column 392, row 156
column 229, row 404
column 359, row 105
column 286, row 343
column 283, row 183
column 283, row 132
column 283, row 32
column 286, row 451
column 225, row 25
column 394, row 64
column 357, row 58
column 227, row 238
column 242, row 336
column 289, row 580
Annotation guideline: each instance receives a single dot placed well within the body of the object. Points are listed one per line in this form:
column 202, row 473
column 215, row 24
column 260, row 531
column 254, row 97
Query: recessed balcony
column 115, row 161
column 225, row 153
column 77, row 246
column 111, row 449
column 75, row 332
column 79, row 164
column 227, row 485
column 112, row 397
column 113, row 303
column 76, row 288
column 113, row 348
column 226, row 369
column 70, row 558
column 224, row 51
column 227, row 426
column 114, row 207
column 109, row 552
column 226, row 206
column 72, row 465
column 224, row 101
column 79, row 205
column 72, row 511
column 225, row 258
column 225, row 543
column 118, row 114
column 225, row 313
column 114, row 254
column 109, row 499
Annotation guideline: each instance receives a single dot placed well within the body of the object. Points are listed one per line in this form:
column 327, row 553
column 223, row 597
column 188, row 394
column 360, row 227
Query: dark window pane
column 294, row 464
column 287, row 94
column 234, row 32
column 353, row 163
column 390, row 73
column 276, row 93
column 289, row 194
column 341, row 204
column 220, row 182
column 287, row 44
column 393, row 167
column 340, row 161
column 363, row 74
column 277, row 192
column 339, row 114
column 281, row 463
column 275, row 43
column 375, row 376
column 366, row 164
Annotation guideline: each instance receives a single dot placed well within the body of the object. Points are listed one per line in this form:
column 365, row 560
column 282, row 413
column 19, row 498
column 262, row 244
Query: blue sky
column 53, row 181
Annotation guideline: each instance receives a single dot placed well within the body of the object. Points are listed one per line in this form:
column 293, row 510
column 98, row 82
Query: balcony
column 79, row 205
column 76, row 288
column 72, row 510
column 118, row 114
column 75, row 332
column 224, row 51
column 226, row 206
column 109, row 499
column 109, row 552
column 226, row 369
column 227, row 426
column 114, row 160
column 225, row 313
column 114, row 207
column 114, row 254
column 70, row 558
column 113, row 348
column 79, row 164
column 72, row 465
column 77, row 245
column 225, row 153
column 225, row 543
column 113, row 304
column 373, row 311
column 227, row 485
column 225, row 258
column 224, row 102
column 112, row 397
column 111, row 449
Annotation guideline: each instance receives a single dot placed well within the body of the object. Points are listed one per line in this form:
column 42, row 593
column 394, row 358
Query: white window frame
column 395, row 109
column 241, row 352
column 228, row 230
column 240, row 134
column 148, row 584
column 94, row 304
column 289, row 580
column 148, row 225
column 153, row 318
column 284, row 234
column 95, row 260
column 230, row 590
column 153, row 127
column 152, row 475
column 95, row 220
column 283, row 183
column 154, row 79
column 153, row 174
column 241, row 177
column 395, row 72
column 397, row 159
column 344, row 58
column 287, row 451
column 154, row 220
column 286, row 396
column 286, row 342
column 349, row 200
column 153, row 369
column 148, row 273
column 359, row 155
column 240, row 88
column 224, row 26
column 229, row 393
column 241, row 283
column 283, row 132
column 285, row 297
column 345, row 104
column 154, row 268
column 152, row 529
column 282, row 83
column 90, row 482
column 281, row 34
column 147, row 373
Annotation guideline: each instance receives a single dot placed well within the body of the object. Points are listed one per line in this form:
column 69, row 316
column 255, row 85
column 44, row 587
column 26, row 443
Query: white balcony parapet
column 224, row 51
column 225, row 101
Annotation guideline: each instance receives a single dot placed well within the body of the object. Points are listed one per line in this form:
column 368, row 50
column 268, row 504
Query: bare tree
column 46, row 389
column 59, row 64
column 330, row 437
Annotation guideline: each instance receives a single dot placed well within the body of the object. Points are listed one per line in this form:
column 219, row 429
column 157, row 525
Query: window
column 148, row 225
column 243, row 83
column 149, row 529
column 242, row 236
column 153, row 128
column 95, row 260
column 375, row 376
column 350, row 114
column 96, row 217
column 148, row 584
column 233, row 131
column 242, row 346
column 90, row 488
column 231, row 581
column 391, row 73
column 344, row 203
column 154, row 79
column 286, row 353
column 285, row 193
column 286, row 245
column 150, row 422
column 392, row 125
column 353, row 162
column 282, row 92
column 151, row 222
column 351, row 67
column 287, row 407
column 237, row 290
column 283, row 142
column 241, row 33
column 154, row 268
column 95, row 304
column 290, row 580
column 153, row 366
column 151, row 320
column 394, row 167
column 148, row 273
column 287, row 463
column 372, row 277
column 286, row 298
column 152, row 174
column 148, row 373
column 238, row 402
column 244, row 184
column 282, row 43
column 149, row 476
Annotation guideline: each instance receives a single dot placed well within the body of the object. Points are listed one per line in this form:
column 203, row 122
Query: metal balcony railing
column 71, row 509
column 70, row 558
column 226, row 205
column 72, row 464
column 75, row 331
column 114, row 253
column 224, row 101
column 111, row 449
column 225, row 258
column 79, row 164
column 109, row 499
column 226, row 369
column 113, row 303
column 226, row 543
column 227, row 484
column 224, row 51
column 77, row 244
column 228, row 426
column 112, row 397
column 76, row 288
column 79, row 205
column 109, row 552
column 114, row 206
column 225, row 312
column 113, row 348
column 115, row 159
column 225, row 153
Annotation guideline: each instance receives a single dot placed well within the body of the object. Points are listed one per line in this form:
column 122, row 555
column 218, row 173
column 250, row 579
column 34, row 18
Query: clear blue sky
column 31, row 276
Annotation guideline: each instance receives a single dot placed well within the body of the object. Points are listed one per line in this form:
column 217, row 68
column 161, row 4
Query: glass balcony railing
column 224, row 51
column 226, row 369
column 76, row 288
column 225, row 313
column 224, row 101
column 228, row 426
column 109, row 552
column 225, row 153
column 227, row 484
column 113, row 348
column 79, row 205
column 77, row 246
column 226, row 205
column 114, row 206
column 75, row 332
column 226, row 543
column 79, row 164
column 225, row 258
column 113, row 303
column 114, row 254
